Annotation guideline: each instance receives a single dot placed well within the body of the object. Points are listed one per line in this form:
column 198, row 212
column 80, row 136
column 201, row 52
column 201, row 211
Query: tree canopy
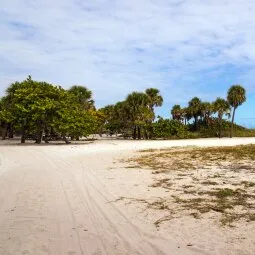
column 38, row 108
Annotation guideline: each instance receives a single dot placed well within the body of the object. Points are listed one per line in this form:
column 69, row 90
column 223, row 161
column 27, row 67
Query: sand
column 64, row 200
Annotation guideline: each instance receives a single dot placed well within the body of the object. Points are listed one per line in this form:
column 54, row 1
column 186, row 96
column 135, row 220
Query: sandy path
column 56, row 200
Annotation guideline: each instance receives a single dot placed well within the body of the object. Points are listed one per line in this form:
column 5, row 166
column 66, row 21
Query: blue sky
column 184, row 48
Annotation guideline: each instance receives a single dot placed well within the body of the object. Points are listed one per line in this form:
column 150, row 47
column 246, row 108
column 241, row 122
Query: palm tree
column 186, row 114
column 195, row 109
column 154, row 98
column 221, row 107
column 177, row 112
column 206, row 111
column 139, row 111
column 83, row 96
column 236, row 97
column 122, row 117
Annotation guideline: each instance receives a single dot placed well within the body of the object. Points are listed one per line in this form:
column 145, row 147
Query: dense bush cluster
column 166, row 129
column 38, row 110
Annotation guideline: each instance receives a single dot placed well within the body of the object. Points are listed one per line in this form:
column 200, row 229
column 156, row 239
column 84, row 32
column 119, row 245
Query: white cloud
column 115, row 47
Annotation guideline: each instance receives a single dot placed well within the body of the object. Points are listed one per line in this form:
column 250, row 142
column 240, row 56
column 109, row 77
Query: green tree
column 154, row 98
column 122, row 120
column 236, row 97
column 195, row 109
column 133, row 115
column 37, row 107
column 70, row 119
column 177, row 113
column 221, row 107
column 139, row 112
column 115, row 118
column 107, row 114
column 8, row 104
column 206, row 111
column 4, row 117
column 83, row 96
column 187, row 115
column 33, row 104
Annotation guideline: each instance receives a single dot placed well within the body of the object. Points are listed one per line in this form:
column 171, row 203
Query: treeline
column 211, row 114
column 41, row 111
column 135, row 116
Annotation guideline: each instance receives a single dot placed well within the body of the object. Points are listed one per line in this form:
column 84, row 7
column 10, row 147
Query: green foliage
column 221, row 107
column 134, row 115
column 166, row 128
column 195, row 107
column 177, row 112
column 236, row 96
column 35, row 108
column 38, row 108
column 154, row 99
column 211, row 129
column 83, row 96
column 71, row 119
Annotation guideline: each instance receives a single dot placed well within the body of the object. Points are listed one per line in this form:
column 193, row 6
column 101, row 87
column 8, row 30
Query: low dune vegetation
column 216, row 183
column 39, row 111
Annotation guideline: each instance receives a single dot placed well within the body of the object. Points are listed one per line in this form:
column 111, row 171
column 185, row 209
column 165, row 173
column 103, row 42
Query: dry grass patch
column 224, row 201
column 164, row 183
column 202, row 180
column 194, row 158
column 209, row 183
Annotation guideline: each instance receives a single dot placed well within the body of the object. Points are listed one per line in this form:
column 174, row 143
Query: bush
column 211, row 129
column 166, row 128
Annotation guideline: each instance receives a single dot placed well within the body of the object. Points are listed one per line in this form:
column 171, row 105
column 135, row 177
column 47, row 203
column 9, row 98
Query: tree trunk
column 66, row 140
column 139, row 132
column 232, row 122
column 40, row 129
column 39, row 137
column 23, row 134
column 206, row 120
column 134, row 133
column 4, row 132
column 196, row 126
column 220, row 127
column 150, row 132
column 146, row 134
column 46, row 136
column 10, row 133
column 23, row 137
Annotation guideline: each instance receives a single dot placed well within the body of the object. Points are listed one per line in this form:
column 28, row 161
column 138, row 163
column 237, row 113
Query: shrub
column 166, row 128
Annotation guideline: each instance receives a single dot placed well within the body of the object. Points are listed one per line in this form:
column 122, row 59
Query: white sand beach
column 63, row 200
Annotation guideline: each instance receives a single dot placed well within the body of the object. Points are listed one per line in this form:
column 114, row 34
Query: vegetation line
column 41, row 111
